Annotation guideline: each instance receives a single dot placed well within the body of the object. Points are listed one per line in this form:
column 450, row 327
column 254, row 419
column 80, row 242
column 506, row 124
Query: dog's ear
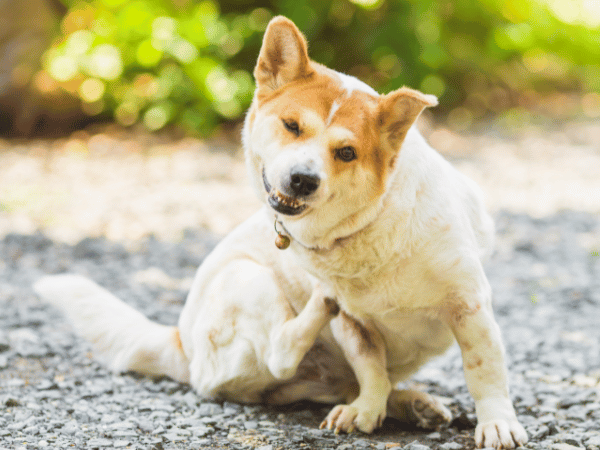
column 398, row 110
column 283, row 56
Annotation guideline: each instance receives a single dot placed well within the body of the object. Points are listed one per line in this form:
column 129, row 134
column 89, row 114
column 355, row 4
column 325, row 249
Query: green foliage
column 190, row 63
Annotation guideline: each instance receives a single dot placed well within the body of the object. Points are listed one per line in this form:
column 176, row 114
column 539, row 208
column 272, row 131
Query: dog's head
column 321, row 145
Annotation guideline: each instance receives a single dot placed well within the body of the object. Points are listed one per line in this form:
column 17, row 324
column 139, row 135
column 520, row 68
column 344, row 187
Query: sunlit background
column 121, row 118
column 189, row 64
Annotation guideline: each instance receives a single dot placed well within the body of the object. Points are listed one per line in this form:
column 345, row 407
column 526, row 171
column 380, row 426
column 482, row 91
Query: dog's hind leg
column 364, row 349
column 291, row 340
column 419, row 408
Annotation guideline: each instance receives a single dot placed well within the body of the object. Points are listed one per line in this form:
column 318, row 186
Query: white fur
column 350, row 83
column 405, row 267
column 123, row 338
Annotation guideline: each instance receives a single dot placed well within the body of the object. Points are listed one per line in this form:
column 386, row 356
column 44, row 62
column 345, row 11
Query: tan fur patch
column 333, row 308
column 283, row 56
column 455, row 310
column 310, row 101
column 359, row 334
column 177, row 338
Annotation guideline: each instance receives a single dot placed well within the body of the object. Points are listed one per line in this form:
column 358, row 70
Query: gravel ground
column 545, row 274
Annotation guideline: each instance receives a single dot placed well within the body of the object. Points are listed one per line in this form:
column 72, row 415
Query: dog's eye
column 346, row 154
column 292, row 126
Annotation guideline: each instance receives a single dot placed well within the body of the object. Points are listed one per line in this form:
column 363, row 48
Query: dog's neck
column 349, row 228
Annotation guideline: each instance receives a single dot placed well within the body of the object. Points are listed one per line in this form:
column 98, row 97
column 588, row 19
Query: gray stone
column 32, row 430
column 158, row 430
column 571, row 439
column 124, row 433
column 594, row 440
column 99, row 442
column 563, row 446
column 541, row 432
column 145, row 425
column 435, row 436
column 451, row 446
column 191, row 399
column 229, row 411
column 175, row 437
column 200, row 431
column 4, row 345
column 209, row 409
column 416, row 446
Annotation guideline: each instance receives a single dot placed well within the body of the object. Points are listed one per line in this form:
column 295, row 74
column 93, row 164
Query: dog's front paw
column 500, row 434
column 347, row 418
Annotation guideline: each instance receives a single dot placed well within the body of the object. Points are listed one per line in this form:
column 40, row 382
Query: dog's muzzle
column 286, row 204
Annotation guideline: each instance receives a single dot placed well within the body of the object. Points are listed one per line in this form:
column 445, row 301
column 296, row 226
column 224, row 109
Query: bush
column 189, row 63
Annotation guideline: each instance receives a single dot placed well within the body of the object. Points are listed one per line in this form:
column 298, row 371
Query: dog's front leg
column 480, row 342
column 365, row 351
column 291, row 340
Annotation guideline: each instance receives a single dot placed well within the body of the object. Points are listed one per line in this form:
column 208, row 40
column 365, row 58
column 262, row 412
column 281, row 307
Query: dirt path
column 124, row 185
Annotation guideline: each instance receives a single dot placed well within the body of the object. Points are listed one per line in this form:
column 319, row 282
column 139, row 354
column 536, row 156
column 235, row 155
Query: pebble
column 415, row 446
column 451, row 446
column 565, row 447
column 4, row 344
column 191, row 399
column 350, row 447
column 209, row 409
column 99, row 442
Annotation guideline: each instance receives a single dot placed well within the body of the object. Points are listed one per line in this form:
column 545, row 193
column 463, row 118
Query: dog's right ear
column 283, row 56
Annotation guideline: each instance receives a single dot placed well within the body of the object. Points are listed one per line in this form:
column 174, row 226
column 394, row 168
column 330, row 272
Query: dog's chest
column 401, row 296
column 376, row 279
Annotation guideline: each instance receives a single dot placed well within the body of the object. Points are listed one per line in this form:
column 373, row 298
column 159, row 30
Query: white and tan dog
column 383, row 270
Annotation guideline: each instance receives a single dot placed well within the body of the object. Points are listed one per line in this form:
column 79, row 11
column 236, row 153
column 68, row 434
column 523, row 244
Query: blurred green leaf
column 190, row 63
column 147, row 55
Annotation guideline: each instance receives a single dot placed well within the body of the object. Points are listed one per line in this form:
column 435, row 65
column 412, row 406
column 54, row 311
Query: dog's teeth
column 285, row 200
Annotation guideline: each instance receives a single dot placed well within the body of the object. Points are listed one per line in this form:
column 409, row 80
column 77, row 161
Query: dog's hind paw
column 420, row 408
column 430, row 412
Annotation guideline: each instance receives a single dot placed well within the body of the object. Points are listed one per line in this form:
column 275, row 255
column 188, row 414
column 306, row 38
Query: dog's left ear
column 398, row 110
column 283, row 56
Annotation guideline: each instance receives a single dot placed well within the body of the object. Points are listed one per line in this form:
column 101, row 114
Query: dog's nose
column 303, row 181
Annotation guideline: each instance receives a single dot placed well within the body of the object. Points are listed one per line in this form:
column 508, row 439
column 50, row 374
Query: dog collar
column 282, row 241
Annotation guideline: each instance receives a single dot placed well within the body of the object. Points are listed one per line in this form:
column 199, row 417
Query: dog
column 383, row 269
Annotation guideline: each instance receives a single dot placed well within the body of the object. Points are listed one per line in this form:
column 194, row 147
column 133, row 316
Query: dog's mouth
column 282, row 203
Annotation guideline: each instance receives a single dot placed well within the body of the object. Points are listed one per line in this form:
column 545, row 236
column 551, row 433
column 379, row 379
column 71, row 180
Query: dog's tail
column 122, row 337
